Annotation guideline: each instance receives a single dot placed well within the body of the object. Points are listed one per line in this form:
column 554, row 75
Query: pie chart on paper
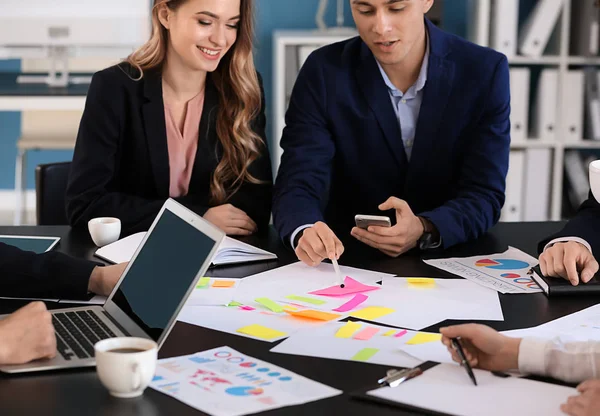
column 502, row 264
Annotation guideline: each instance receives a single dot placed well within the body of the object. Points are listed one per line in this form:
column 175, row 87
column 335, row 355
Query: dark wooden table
column 79, row 392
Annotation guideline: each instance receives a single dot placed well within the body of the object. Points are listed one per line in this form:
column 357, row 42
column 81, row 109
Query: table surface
column 76, row 392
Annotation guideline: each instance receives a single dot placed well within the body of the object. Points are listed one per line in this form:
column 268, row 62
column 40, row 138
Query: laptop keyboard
column 77, row 332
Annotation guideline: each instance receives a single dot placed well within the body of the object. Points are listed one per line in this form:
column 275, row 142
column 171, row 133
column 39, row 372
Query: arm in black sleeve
column 47, row 275
column 95, row 160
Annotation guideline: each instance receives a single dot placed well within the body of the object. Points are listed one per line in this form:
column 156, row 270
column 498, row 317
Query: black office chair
column 50, row 189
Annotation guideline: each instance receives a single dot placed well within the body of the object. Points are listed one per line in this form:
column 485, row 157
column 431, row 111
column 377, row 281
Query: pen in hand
column 336, row 267
column 463, row 358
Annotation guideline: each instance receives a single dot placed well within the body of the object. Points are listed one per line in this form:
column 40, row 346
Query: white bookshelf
column 285, row 69
column 559, row 58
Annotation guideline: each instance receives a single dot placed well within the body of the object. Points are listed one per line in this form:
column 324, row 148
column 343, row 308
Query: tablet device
column 30, row 243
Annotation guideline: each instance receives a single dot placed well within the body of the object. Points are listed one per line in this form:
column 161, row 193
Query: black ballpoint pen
column 463, row 358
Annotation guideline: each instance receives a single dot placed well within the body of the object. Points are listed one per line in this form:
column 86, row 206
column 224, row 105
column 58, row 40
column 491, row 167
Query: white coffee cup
column 104, row 230
column 126, row 373
column 595, row 179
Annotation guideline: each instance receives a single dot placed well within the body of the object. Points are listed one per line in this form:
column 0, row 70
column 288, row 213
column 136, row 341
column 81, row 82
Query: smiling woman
column 182, row 117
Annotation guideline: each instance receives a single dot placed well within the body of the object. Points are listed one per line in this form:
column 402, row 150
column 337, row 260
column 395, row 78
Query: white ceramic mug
column 595, row 179
column 104, row 230
column 124, row 372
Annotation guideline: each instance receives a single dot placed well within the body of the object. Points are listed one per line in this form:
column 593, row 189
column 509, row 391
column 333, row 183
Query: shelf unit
column 563, row 61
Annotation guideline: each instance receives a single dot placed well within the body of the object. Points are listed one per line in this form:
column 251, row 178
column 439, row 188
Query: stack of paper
column 359, row 341
column 224, row 382
column 230, row 251
column 505, row 272
column 446, row 388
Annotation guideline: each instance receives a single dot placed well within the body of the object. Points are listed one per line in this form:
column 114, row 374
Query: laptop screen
column 162, row 273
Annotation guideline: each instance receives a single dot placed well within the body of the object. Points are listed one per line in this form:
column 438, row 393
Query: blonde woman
column 182, row 117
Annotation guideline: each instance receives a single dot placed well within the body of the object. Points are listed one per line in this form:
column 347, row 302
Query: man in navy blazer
column 405, row 120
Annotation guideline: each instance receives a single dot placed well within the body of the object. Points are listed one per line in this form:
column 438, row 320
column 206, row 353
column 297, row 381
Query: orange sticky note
column 316, row 315
column 223, row 283
column 261, row 332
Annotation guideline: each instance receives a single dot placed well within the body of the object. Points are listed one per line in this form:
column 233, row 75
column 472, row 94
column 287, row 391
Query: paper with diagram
column 224, row 382
column 504, row 272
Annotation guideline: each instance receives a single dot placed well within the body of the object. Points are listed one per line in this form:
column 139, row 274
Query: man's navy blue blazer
column 343, row 153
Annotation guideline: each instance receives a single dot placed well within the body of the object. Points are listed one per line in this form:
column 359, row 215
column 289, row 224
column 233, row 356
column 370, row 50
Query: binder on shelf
column 519, row 104
column 504, row 26
column 512, row 210
column 585, row 28
column 572, row 106
column 577, row 178
column 546, row 102
column 592, row 101
column 537, row 180
column 478, row 30
column 539, row 27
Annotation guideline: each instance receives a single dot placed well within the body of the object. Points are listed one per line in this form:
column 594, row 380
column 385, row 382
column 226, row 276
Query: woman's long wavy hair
column 240, row 98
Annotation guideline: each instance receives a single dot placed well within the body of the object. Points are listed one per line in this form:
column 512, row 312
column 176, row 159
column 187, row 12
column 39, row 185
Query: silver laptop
column 175, row 253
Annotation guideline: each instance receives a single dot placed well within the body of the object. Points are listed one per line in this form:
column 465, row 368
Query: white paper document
column 230, row 251
column 476, row 302
column 259, row 324
column 363, row 342
column 579, row 326
column 213, row 291
column 446, row 388
column 504, row 272
column 224, row 382
column 298, row 279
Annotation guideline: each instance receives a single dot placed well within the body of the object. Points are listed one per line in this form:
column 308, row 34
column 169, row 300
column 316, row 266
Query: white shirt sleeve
column 572, row 362
column 565, row 239
column 302, row 227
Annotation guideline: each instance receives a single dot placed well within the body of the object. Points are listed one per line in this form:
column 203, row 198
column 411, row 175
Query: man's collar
column 421, row 80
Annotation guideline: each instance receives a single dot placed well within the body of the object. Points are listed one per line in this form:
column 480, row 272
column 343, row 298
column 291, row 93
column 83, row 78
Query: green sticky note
column 234, row 303
column 365, row 354
column 304, row 299
column 203, row 283
column 268, row 303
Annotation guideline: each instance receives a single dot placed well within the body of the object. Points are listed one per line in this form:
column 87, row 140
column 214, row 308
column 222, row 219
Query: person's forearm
column 571, row 362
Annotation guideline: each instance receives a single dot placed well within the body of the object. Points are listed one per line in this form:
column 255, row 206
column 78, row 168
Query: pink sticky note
column 401, row 333
column 352, row 303
column 367, row 333
column 247, row 308
column 350, row 286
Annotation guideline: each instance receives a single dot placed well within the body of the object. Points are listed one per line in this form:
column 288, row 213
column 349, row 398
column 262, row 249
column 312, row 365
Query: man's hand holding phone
column 318, row 243
column 395, row 240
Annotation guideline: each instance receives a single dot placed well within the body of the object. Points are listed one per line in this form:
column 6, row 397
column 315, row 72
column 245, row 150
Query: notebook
column 230, row 251
column 553, row 286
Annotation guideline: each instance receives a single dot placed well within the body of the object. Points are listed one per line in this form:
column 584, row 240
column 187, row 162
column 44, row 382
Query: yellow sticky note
column 348, row 330
column 261, row 332
column 423, row 338
column 372, row 312
column 425, row 282
column 223, row 283
column 316, row 315
column 288, row 308
column 389, row 333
